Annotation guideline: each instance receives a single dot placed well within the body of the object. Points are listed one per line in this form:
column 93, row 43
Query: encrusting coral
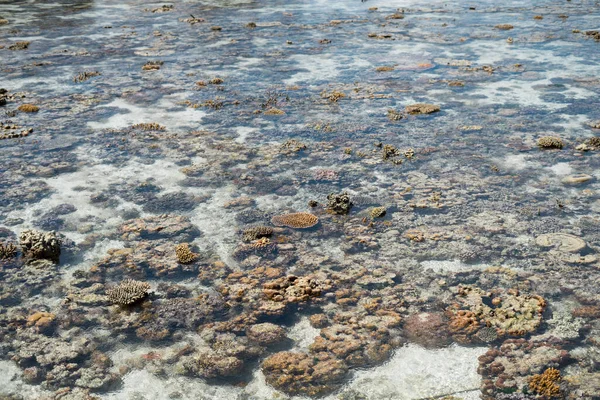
column 550, row 142
column 546, row 383
column 128, row 292
column 184, row 254
column 295, row 220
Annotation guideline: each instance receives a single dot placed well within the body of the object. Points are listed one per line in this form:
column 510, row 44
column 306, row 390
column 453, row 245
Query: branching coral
column 184, row 254
column 295, row 220
column 546, row 383
column 128, row 292
column 7, row 251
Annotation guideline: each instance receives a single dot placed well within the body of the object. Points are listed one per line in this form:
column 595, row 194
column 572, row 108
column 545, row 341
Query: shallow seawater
column 444, row 156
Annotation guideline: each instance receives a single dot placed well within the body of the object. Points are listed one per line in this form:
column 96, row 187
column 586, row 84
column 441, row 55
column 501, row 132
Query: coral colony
column 299, row 199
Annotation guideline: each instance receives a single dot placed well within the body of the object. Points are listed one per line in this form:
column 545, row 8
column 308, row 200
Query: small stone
column 576, row 179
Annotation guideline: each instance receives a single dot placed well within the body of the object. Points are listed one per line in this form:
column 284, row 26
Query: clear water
column 478, row 193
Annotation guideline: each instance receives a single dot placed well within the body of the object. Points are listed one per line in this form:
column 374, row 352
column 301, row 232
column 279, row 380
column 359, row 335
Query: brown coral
column 304, row 374
column 293, row 289
column 292, row 146
column 152, row 66
column 422, row 108
column 128, row 292
column 28, row 108
column 295, row 220
column 333, row 96
column 184, row 254
column 7, row 251
column 84, row 76
column 546, row 383
column 550, row 142
column 19, row 46
column 274, row 111
column 40, row 245
column 148, row 126
column 257, row 232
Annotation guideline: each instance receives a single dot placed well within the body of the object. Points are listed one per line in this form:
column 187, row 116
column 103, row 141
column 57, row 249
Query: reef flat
column 346, row 200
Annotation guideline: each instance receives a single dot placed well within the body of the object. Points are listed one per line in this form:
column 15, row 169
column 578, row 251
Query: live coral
column 295, row 220
column 547, row 383
column 28, row 108
column 184, row 254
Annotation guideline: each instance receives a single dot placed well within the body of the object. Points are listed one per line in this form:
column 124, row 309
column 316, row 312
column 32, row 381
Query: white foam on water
column 451, row 266
column 561, row 169
column 158, row 113
column 515, row 162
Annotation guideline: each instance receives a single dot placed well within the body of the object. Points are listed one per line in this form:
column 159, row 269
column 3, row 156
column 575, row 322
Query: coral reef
column 19, row 45
column 28, row 108
column 550, row 142
column 304, row 374
column 293, row 289
column 185, row 254
column 128, row 292
column 152, row 65
column 85, row 75
column 257, row 232
column 8, row 250
column 422, row 108
column 339, row 203
column 546, row 384
column 377, row 212
column 40, row 245
column 292, row 146
column 295, row 220
column 148, row 126
column 509, row 313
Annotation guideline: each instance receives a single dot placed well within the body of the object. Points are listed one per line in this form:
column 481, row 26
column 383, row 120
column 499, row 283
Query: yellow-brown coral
column 7, row 250
column 257, row 232
column 185, row 254
column 128, row 292
column 148, row 126
column 546, row 384
column 274, row 111
column 29, row 108
column 333, row 96
column 295, row 220
column 422, row 108
column 550, row 142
